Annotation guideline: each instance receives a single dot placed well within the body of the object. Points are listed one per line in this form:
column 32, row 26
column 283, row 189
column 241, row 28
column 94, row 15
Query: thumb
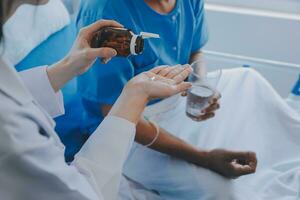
column 104, row 52
column 248, row 157
column 184, row 93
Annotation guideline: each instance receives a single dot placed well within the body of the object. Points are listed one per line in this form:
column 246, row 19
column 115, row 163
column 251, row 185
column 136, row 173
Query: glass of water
column 203, row 88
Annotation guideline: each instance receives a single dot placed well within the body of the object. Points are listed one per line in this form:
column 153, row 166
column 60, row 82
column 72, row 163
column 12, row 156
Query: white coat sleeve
column 102, row 158
column 37, row 81
column 32, row 163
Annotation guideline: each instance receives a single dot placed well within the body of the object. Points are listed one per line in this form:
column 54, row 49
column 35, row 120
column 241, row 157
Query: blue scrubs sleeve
column 200, row 36
column 89, row 12
column 103, row 83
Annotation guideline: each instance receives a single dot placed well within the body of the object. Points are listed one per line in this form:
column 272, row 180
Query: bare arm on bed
column 226, row 163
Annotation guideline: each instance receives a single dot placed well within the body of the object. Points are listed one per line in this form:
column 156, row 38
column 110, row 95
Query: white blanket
column 253, row 117
column 30, row 26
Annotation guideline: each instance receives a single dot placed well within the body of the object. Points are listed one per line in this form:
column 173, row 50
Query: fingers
column 184, row 94
column 173, row 74
column 211, row 108
column 204, row 117
column 89, row 30
column 241, row 155
column 208, row 113
column 240, row 170
column 214, row 105
column 251, row 160
column 105, row 53
column 243, row 163
column 165, row 70
column 178, row 72
column 182, row 75
column 181, row 87
column 177, row 69
column 215, row 98
column 156, row 70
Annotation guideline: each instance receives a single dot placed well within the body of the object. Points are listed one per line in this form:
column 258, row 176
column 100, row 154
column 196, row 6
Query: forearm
column 129, row 108
column 165, row 143
column 169, row 144
column 60, row 73
column 196, row 56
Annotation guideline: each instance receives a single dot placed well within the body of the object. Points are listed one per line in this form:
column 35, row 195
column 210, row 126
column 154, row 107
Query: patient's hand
column 231, row 164
column 210, row 110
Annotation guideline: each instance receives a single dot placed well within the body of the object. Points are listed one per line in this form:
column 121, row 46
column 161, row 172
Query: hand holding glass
column 203, row 89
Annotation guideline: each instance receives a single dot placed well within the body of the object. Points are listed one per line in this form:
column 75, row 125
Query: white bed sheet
column 253, row 117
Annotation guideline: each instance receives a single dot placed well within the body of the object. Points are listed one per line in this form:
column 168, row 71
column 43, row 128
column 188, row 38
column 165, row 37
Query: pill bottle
column 123, row 40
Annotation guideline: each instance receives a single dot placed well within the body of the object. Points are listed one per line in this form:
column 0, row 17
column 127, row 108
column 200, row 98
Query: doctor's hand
column 81, row 57
column 162, row 81
column 231, row 164
column 159, row 82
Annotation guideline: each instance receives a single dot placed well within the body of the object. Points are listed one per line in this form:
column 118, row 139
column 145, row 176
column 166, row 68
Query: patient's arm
column 198, row 55
column 226, row 163
column 166, row 143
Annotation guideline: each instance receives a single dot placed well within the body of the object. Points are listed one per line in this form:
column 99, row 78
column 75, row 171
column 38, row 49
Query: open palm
column 163, row 81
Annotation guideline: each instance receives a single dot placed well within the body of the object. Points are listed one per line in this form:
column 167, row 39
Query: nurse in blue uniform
column 187, row 19
column 183, row 32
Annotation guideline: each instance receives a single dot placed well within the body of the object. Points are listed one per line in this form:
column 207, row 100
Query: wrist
column 203, row 159
column 59, row 74
column 68, row 67
column 136, row 90
column 130, row 104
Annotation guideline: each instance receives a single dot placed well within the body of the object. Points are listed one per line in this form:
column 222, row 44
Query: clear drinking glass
column 203, row 88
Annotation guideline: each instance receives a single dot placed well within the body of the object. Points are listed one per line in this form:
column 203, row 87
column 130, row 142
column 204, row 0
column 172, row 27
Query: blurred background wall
column 263, row 34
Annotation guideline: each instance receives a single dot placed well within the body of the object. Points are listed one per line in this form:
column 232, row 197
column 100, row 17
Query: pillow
column 30, row 26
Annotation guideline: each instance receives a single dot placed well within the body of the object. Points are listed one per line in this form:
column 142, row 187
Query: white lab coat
column 32, row 157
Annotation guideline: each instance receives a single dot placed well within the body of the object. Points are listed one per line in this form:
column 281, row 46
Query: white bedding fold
column 252, row 117
column 30, row 26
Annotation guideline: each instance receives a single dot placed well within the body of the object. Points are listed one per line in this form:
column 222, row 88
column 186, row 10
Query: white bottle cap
column 144, row 35
column 133, row 44
column 149, row 35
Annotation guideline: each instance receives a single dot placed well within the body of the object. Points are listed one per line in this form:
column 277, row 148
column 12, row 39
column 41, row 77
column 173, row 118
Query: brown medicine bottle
column 123, row 40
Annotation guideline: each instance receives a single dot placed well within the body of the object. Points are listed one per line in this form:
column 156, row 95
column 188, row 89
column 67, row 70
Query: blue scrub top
column 182, row 32
column 50, row 51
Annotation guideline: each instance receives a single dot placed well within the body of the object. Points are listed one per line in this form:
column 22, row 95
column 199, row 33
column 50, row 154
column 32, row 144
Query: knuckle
column 82, row 31
column 103, row 52
column 179, row 77
column 171, row 74
column 167, row 69
column 104, row 21
column 85, row 53
column 164, row 71
column 199, row 119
